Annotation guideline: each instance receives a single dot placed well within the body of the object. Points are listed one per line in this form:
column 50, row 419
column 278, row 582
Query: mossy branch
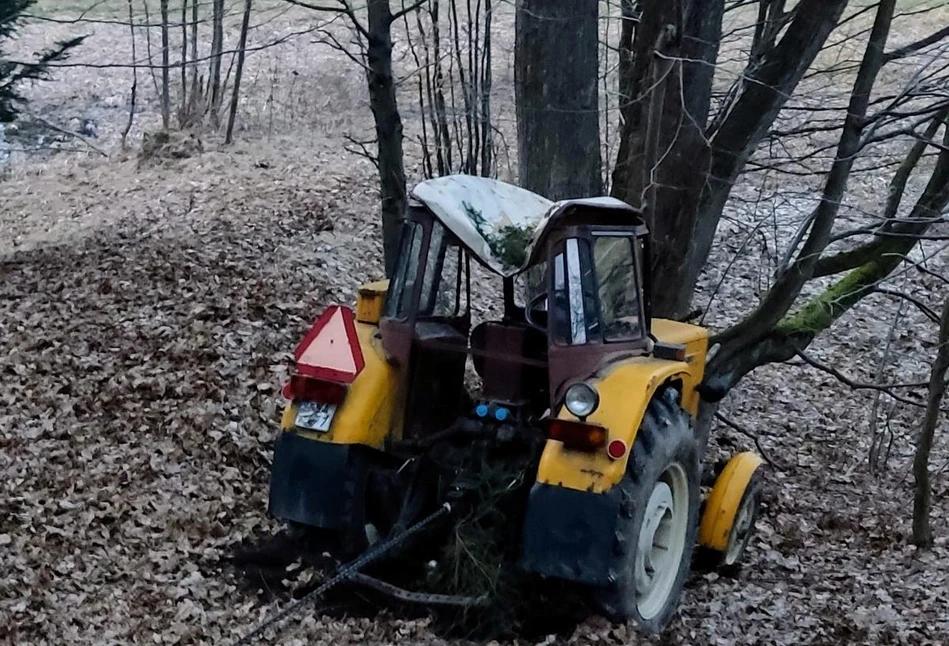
column 820, row 312
column 761, row 343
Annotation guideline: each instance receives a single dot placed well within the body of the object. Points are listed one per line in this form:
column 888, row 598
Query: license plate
column 315, row 416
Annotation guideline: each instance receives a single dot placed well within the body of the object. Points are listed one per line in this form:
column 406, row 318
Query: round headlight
column 581, row 399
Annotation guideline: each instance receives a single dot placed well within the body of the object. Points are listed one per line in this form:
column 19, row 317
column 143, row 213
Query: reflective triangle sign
column 330, row 350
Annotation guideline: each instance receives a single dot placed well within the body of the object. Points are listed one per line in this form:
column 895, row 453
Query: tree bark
column 555, row 83
column 666, row 156
column 183, row 101
column 236, row 93
column 165, row 64
column 217, row 47
column 388, row 122
column 922, row 499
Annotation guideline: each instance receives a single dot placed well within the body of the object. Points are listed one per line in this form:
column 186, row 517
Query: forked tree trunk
column 388, row 122
column 663, row 156
column 555, row 81
column 922, row 500
column 694, row 180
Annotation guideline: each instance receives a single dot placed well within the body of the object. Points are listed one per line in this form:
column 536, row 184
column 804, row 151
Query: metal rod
column 346, row 572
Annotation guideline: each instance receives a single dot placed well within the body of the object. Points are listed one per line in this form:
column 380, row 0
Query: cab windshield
column 596, row 290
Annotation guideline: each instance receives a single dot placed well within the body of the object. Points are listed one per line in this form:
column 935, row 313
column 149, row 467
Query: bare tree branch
column 912, row 48
column 862, row 385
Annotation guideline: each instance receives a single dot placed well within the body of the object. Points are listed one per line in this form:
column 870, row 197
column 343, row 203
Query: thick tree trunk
column 555, row 82
column 651, row 82
column 385, row 112
column 922, row 500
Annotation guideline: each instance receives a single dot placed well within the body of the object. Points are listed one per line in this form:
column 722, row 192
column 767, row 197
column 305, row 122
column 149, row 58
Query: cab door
column 596, row 309
column 426, row 323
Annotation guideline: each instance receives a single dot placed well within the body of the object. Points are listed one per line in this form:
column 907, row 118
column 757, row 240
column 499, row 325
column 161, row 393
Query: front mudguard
column 724, row 500
column 572, row 535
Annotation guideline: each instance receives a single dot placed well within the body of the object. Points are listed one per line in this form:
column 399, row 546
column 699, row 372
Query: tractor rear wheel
column 658, row 518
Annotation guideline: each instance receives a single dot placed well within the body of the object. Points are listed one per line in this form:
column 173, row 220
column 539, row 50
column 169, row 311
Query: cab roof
column 498, row 222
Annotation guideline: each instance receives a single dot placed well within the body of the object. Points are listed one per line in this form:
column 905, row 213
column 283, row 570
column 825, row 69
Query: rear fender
column 366, row 414
column 625, row 391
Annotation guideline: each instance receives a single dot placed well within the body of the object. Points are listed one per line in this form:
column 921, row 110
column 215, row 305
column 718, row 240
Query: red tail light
column 580, row 436
column 317, row 390
column 616, row 449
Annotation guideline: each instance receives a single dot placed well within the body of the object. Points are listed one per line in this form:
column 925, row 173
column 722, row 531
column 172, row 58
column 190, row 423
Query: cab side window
column 441, row 286
column 402, row 287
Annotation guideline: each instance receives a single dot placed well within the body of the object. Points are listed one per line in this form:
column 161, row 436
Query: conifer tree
column 15, row 70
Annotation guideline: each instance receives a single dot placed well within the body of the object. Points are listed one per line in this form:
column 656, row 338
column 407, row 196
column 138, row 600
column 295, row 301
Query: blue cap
column 481, row 410
column 501, row 413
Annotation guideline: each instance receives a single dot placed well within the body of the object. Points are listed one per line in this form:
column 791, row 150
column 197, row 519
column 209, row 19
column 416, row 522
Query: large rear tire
column 658, row 518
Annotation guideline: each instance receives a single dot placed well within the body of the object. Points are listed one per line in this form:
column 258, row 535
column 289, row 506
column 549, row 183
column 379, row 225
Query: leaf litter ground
column 142, row 357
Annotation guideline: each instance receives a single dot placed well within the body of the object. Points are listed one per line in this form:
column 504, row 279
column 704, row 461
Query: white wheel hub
column 741, row 530
column 661, row 541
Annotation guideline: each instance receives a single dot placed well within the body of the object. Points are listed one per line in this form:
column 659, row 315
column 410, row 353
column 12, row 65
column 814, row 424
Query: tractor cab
column 564, row 289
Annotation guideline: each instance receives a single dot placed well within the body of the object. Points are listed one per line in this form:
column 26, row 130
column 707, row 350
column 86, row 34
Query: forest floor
column 147, row 315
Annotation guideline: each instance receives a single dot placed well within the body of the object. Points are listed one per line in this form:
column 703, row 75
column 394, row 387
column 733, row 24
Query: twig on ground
column 738, row 427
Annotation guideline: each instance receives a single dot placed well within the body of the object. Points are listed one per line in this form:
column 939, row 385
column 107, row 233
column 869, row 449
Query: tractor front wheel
column 658, row 518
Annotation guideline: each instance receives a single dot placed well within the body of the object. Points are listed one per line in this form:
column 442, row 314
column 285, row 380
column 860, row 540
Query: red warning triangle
column 330, row 350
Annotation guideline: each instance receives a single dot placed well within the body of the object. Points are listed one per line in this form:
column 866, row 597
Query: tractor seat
column 511, row 359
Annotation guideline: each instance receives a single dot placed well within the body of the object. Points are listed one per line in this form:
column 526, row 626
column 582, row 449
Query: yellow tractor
column 401, row 405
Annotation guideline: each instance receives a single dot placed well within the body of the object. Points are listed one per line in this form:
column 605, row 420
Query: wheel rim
column 661, row 541
column 741, row 530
